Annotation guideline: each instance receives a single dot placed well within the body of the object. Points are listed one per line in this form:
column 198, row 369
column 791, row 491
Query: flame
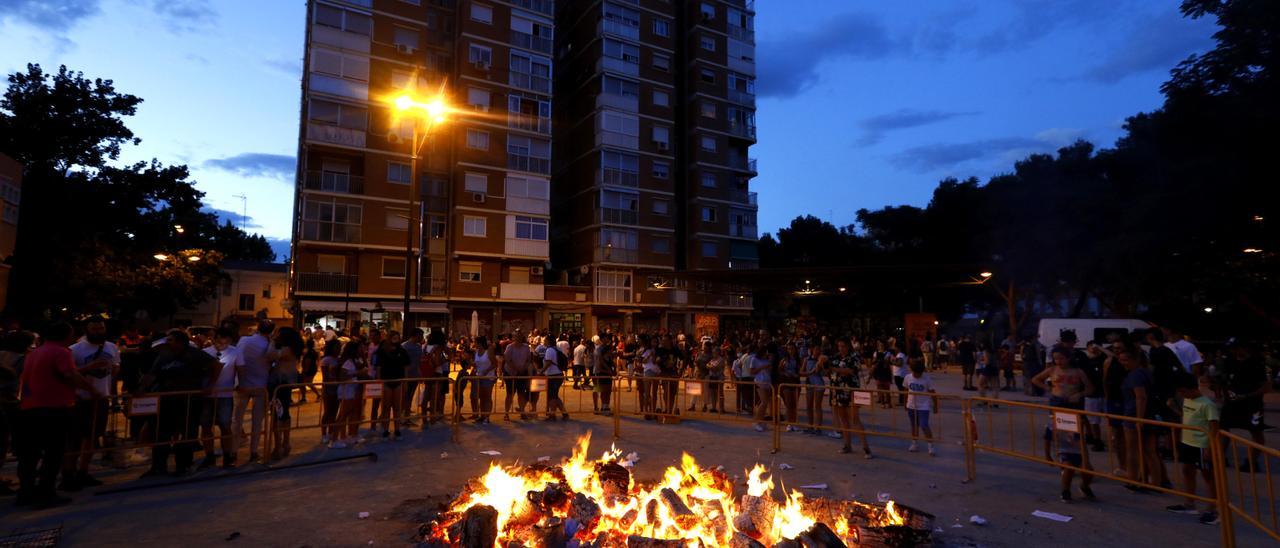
column 699, row 507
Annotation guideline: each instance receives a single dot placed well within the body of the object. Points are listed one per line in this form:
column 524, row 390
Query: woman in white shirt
column 487, row 372
column 350, row 404
column 761, row 365
column 648, row 384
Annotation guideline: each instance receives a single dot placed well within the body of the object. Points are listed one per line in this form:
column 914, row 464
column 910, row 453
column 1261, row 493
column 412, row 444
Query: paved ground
column 319, row 506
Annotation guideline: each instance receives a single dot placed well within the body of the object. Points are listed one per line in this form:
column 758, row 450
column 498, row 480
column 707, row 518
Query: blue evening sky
column 862, row 103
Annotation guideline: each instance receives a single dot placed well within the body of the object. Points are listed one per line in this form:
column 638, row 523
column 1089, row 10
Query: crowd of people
column 58, row 388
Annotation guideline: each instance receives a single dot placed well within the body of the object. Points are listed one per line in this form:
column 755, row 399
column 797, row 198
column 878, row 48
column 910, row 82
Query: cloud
column 185, row 15
column 789, row 64
column 234, row 217
column 1157, row 44
column 939, row 156
column 1033, row 20
column 875, row 127
column 256, row 164
column 291, row 67
column 53, row 15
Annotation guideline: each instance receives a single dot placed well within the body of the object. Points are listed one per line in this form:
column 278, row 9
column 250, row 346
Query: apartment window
column 621, row 50
column 620, row 20
column 469, row 272
column 662, row 27
column 619, row 240
column 345, row 20
column 709, row 180
column 477, row 227
column 661, row 170
column 477, row 140
column 526, row 154
column 477, row 182
column 618, row 122
column 480, row 55
column 393, row 267
column 708, row 43
column 708, row 10
column 661, row 99
column 620, row 168
column 338, row 114
column 741, row 84
column 708, row 76
column 436, row 227
column 707, row 109
column 613, row 286
column 530, row 72
column 531, row 228
column 483, row 14
column 397, row 219
column 710, row 250
column 266, row 291
column 330, row 221
column 330, row 264
column 661, row 207
column 350, row 67
column 619, row 207
column 617, row 86
column 661, row 245
column 399, row 173
column 526, row 187
column 709, row 214
column 405, row 37
column 661, row 62
column 530, row 34
column 708, row 143
column 662, row 137
column 478, row 99
column 246, row 302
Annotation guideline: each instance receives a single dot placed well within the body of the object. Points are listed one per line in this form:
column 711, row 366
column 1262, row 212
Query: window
column 708, row 43
column 617, row 86
column 708, row 143
column 530, row 72
column 331, row 264
column 661, row 207
column 477, row 140
column 478, row 99
column 661, row 170
column 620, row 168
column 331, row 221
column 266, row 291
column 613, row 286
column 526, row 154
column 661, row 245
column 531, row 228
column 483, row 14
column 397, row 219
column 405, row 37
column 345, row 20
column 708, row 76
column 710, row 250
column 707, row 109
column 661, row 62
column 526, row 187
column 436, row 227
column 662, row 137
column 469, row 272
column 619, row 207
column 618, row 122
column 480, row 56
column 709, row 214
column 398, row 173
column 621, row 50
column 338, row 114
column 530, row 34
column 661, row 99
column 476, row 227
column 709, row 180
column 662, row 27
column 330, row 62
column 620, row 20
column 246, row 302
column 477, row 182
column 527, row 112
column 619, row 241
column 708, row 10
column 393, row 267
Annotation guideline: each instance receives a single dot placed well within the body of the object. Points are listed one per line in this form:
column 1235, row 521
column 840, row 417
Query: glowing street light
column 179, row 229
column 194, row 258
column 1208, row 310
column 161, row 257
column 985, row 274
column 1252, row 250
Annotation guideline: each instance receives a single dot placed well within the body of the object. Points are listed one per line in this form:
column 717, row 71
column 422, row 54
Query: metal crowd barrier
column 1243, row 498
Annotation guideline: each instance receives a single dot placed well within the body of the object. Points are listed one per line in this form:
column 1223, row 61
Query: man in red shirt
column 49, row 380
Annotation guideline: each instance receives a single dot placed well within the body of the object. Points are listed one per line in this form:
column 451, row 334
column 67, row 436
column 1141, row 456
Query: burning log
column 479, row 527
column 741, row 540
column 713, row 511
column 614, row 479
column 585, row 511
column 892, row 536
column 637, row 541
column 679, row 510
column 755, row 516
column 651, row 511
column 820, row 536
column 550, row 534
column 555, row 495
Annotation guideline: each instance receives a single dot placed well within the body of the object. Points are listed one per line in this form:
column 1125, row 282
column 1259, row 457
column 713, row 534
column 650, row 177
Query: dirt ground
column 320, row 505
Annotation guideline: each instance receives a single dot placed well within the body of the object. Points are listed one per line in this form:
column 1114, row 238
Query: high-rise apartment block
column 595, row 151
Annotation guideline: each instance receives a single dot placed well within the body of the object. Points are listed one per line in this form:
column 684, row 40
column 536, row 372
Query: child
column 918, row 405
column 1193, row 449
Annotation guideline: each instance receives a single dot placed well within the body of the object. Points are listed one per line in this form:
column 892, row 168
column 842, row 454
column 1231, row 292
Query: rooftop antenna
column 244, row 210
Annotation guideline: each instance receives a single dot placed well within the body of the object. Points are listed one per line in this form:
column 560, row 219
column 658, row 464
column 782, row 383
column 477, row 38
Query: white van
column 1087, row 329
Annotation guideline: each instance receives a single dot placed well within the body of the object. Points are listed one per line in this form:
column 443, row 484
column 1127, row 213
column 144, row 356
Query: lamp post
column 430, row 112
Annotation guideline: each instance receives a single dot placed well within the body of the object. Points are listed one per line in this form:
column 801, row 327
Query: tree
column 90, row 229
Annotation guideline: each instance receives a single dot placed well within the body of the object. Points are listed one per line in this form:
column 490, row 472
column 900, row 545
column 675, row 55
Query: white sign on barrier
column 373, row 390
column 1066, row 422
column 693, row 388
column 538, row 385
column 144, row 406
column 861, row 398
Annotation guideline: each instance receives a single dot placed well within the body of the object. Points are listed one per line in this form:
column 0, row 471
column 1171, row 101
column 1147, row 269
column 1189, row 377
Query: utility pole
column 244, row 210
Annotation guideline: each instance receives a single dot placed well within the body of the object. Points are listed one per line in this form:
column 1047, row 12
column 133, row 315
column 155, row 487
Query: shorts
column 1073, row 459
column 919, row 417
column 816, row 380
column 217, row 412
column 967, row 368
column 602, row 385
column 519, row 386
column 1115, row 407
column 90, row 419
column 1243, row 414
column 1197, row 457
column 1097, row 406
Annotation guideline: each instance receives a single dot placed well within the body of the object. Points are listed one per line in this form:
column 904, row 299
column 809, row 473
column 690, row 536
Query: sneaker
column 913, row 448
column 1209, row 518
column 324, row 439
column 1088, row 493
column 932, row 452
column 759, row 427
column 866, row 454
column 1182, row 509
column 791, row 428
column 1066, row 496
column 834, row 435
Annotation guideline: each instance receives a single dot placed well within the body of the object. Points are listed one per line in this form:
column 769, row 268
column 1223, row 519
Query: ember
column 583, row 502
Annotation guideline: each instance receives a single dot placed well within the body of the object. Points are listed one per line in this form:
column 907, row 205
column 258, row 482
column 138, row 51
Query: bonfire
column 597, row 503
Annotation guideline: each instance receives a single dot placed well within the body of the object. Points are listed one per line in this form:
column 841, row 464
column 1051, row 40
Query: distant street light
column 161, row 257
column 179, row 229
column 1208, row 310
column 193, row 258
column 985, row 274
column 1252, row 250
column 842, row 290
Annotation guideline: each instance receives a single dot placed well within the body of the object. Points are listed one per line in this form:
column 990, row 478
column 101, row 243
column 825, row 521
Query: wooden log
column 651, row 511
column 676, row 506
column 553, row 496
column 755, row 516
column 614, row 479
column 550, row 534
column 786, row 543
column 712, row 511
column 741, row 540
column 820, row 536
column 893, row 536
column 480, row 527
column 585, row 511
column 637, row 541
column 628, row 519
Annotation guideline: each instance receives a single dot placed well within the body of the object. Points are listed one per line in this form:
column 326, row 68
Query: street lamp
column 985, row 274
column 161, row 257
column 428, row 112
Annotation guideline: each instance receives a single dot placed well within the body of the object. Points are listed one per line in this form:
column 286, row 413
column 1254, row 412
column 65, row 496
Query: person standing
column 814, row 374
column 49, row 380
column 602, row 368
column 98, row 361
column 1068, row 385
column 1144, row 463
column 330, row 367
column 179, row 367
column 580, row 381
column 413, row 346
column 553, row 366
column 393, row 362
column 1245, row 383
column 966, row 354
column 1032, row 365
column 900, row 372
column 13, row 352
column 919, row 405
column 761, row 366
column 486, row 372
column 220, row 401
column 845, row 377
column 251, row 385
column 515, row 365
column 1200, row 413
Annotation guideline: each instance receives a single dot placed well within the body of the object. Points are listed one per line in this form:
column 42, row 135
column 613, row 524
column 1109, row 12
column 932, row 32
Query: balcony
column 325, row 282
column 746, row 131
column 743, row 164
column 336, row 135
column 524, row 292
column 620, row 66
column 536, row 124
column 610, row 254
column 527, row 248
column 432, row 287
column 529, row 41
column 328, row 181
column 620, row 28
column 743, row 231
column 618, row 216
column 739, row 33
column 619, row 178
column 540, row 84
column 529, row 164
column 324, row 231
column 742, row 97
column 625, row 103
column 545, row 7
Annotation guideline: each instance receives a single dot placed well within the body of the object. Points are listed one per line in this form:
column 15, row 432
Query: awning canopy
column 357, row 306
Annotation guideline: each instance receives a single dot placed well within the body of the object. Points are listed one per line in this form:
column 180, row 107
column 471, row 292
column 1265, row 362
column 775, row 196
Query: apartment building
column 655, row 113
column 10, row 199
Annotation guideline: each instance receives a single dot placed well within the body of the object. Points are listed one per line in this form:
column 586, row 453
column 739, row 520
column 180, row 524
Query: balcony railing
column 432, row 286
column 752, row 196
column 620, row 28
column 529, row 123
column 324, row 231
column 745, row 164
column 742, row 97
column 742, row 130
column 607, row 254
column 746, row 35
column 324, row 282
column 329, row 181
column 618, row 216
column 529, row 163
column 545, row 7
column 540, row 84
column 743, row 231
column 619, row 178
column 529, row 41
